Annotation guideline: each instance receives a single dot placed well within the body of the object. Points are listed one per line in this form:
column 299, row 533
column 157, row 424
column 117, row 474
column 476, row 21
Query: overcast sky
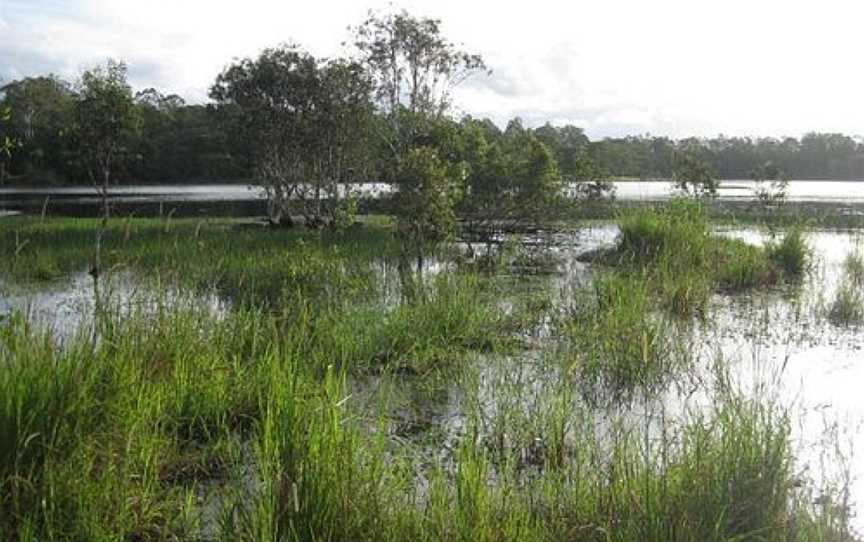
column 614, row 67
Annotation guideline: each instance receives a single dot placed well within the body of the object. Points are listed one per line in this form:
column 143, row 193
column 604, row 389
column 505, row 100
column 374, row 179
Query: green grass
column 111, row 442
column 791, row 254
column 616, row 342
column 245, row 262
column 847, row 308
column 167, row 421
column 685, row 262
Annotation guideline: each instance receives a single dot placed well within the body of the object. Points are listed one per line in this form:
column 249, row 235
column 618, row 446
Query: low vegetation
column 267, row 416
column 848, row 305
column 673, row 247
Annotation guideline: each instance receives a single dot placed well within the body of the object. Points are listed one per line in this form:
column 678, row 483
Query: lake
column 241, row 199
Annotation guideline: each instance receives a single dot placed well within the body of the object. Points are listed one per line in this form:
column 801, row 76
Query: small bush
column 791, row 255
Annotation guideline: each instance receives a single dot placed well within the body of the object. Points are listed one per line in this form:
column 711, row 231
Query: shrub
column 792, row 254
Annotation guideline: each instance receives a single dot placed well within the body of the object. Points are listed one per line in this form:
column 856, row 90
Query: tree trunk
column 106, row 210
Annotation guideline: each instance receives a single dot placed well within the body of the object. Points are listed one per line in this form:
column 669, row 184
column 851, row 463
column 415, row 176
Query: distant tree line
column 180, row 142
column 172, row 141
column 813, row 156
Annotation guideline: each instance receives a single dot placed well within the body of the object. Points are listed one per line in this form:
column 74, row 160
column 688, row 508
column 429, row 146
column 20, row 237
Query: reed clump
column 847, row 308
column 673, row 244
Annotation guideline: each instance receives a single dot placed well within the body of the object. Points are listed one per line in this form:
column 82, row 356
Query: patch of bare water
column 66, row 306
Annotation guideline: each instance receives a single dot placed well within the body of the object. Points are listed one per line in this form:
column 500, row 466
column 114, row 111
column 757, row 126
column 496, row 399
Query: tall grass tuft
column 848, row 305
column 791, row 254
column 673, row 245
column 617, row 342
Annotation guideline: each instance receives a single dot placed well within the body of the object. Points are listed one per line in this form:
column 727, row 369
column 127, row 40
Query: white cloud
column 676, row 67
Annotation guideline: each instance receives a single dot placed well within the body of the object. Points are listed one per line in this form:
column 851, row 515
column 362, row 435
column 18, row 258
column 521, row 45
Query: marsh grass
column 686, row 263
column 847, row 308
column 246, row 262
column 791, row 254
column 617, row 342
column 112, row 434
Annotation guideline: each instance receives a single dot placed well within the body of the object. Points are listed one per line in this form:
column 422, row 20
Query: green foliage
column 415, row 67
column 791, row 254
column 6, row 143
column 771, row 185
column 812, row 156
column 182, row 142
column 106, row 120
column 680, row 227
column 288, row 420
column 425, row 198
column 674, row 246
column 39, row 113
column 847, row 307
column 512, row 182
column 617, row 344
column 693, row 176
column 309, row 120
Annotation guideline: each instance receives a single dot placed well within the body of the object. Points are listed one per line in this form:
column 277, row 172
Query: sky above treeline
column 614, row 67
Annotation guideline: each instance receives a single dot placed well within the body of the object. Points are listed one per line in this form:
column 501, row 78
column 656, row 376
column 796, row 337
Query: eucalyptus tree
column 413, row 65
column 106, row 121
column 415, row 69
column 308, row 120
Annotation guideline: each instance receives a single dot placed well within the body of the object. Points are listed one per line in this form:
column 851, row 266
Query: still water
column 778, row 342
column 803, row 191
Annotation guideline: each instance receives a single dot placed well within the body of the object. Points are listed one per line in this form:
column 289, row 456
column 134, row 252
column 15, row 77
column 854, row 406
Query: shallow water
column 67, row 306
column 802, row 191
column 845, row 192
column 776, row 343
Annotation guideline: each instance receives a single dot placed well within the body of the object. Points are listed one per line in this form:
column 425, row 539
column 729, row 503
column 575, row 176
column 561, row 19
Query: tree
column 413, row 65
column 569, row 144
column 308, row 121
column 414, row 70
column 590, row 181
column 425, row 200
column 7, row 143
column 693, row 176
column 512, row 183
column 106, row 121
column 40, row 110
column 770, row 186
